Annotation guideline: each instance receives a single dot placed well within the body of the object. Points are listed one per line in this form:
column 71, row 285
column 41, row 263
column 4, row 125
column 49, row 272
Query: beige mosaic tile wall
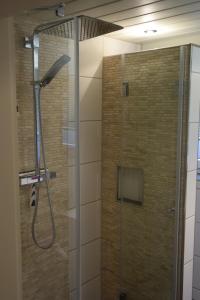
column 45, row 273
column 140, row 131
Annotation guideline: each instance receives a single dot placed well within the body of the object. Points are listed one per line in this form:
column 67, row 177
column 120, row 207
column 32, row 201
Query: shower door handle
column 171, row 210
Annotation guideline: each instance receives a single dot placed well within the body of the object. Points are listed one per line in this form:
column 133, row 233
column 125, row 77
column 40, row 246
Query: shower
column 86, row 28
column 39, row 144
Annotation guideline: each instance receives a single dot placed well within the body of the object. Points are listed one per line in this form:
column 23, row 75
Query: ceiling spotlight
column 150, row 31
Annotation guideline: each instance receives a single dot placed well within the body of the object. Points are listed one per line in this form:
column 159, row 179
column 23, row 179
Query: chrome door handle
column 171, row 210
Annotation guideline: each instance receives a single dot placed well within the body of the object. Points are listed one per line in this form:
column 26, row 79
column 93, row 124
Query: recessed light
column 150, row 31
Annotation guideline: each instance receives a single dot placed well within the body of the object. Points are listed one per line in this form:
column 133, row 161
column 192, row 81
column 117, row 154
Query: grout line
column 192, row 170
column 89, row 162
column 195, row 72
column 93, row 278
column 193, row 122
column 85, row 244
column 84, row 163
column 85, row 204
column 93, row 77
column 193, row 216
column 99, row 120
column 189, row 261
column 89, row 242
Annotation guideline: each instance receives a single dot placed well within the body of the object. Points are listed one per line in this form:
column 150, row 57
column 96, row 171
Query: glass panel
column 139, row 153
column 149, row 143
column 53, row 273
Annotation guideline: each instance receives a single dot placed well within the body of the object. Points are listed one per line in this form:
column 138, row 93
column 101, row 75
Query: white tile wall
column 90, row 98
column 195, row 59
column 91, row 56
column 90, row 141
column 189, row 239
column 116, row 47
column 187, row 281
column 193, row 128
column 193, row 131
column 194, row 97
column 191, row 193
column 90, row 221
column 72, row 187
column 91, row 260
column 92, row 290
column 72, row 228
column 90, row 182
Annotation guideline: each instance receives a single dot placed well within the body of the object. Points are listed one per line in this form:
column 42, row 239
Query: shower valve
column 29, row 178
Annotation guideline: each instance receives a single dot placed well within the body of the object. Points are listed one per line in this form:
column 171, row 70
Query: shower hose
column 46, row 180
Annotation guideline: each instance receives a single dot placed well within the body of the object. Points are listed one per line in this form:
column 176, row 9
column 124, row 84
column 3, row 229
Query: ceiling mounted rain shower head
column 88, row 28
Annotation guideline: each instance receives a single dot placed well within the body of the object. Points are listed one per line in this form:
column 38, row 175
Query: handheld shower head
column 55, row 68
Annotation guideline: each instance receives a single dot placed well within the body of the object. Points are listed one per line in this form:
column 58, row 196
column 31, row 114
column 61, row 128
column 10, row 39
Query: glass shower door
column 52, row 273
column 147, row 176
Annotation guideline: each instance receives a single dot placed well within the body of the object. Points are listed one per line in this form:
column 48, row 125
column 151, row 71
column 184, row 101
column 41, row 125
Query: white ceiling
column 168, row 17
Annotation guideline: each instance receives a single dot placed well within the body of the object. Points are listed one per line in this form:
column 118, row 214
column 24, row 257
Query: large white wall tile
column 191, row 193
column 72, row 184
column 91, row 260
column 90, row 141
column 195, row 59
column 189, row 239
column 196, row 294
column 194, row 97
column 90, row 182
column 196, row 275
column 92, row 289
column 187, row 281
column 72, row 228
column 117, row 47
column 90, row 98
column 193, row 131
column 90, row 221
column 91, row 56
column 198, row 204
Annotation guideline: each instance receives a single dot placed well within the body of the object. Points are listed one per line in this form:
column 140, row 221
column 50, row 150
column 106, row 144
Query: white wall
column 115, row 47
column 10, row 264
column 170, row 42
column 190, row 259
column 91, row 58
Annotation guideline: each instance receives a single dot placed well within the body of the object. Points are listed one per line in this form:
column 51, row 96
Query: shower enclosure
column 142, row 157
column 49, row 155
column 144, row 145
column 46, row 272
